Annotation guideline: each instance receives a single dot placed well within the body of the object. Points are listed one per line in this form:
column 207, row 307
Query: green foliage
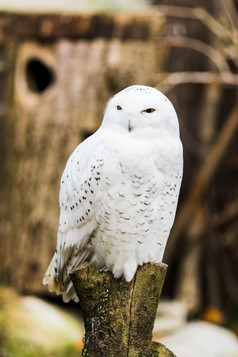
column 29, row 327
column 21, row 348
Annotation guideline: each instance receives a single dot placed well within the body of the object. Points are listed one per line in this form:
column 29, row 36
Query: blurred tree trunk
column 188, row 285
column 59, row 73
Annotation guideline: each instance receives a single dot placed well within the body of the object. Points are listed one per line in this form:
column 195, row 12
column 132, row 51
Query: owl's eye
column 149, row 110
column 119, row 107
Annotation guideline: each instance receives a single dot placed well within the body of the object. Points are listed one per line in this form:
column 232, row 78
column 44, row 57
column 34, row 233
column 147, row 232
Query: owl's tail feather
column 50, row 277
column 68, row 262
column 70, row 294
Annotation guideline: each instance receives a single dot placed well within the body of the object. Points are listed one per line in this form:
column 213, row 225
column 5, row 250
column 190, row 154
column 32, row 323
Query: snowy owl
column 119, row 190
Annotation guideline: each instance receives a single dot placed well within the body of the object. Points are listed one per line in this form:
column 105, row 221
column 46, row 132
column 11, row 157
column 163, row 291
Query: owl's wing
column 77, row 223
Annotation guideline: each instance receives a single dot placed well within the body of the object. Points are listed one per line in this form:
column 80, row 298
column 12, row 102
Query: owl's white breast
column 136, row 201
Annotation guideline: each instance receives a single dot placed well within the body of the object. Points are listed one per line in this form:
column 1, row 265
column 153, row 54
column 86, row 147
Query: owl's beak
column 129, row 126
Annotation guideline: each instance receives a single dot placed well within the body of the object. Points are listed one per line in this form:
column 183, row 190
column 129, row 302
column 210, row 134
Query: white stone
column 202, row 339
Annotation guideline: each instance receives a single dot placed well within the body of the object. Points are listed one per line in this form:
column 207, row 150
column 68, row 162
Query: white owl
column 119, row 190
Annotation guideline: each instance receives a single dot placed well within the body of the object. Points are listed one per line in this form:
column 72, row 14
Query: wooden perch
column 119, row 316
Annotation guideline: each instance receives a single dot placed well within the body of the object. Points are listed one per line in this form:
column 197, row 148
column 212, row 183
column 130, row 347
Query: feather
column 119, row 190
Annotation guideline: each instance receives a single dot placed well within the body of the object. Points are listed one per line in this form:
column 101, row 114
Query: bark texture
column 119, row 316
column 81, row 26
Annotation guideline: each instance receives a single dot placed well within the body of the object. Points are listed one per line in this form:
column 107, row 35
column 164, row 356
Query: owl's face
column 138, row 110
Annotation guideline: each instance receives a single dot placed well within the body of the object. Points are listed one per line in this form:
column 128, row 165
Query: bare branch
column 170, row 80
column 199, row 14
column 199, row 46
column 229, row 213
column 231, row 14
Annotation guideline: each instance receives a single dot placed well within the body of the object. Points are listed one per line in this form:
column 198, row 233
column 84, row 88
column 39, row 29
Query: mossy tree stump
column 119, row 316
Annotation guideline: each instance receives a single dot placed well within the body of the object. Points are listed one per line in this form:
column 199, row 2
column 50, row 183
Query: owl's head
column 141, row 110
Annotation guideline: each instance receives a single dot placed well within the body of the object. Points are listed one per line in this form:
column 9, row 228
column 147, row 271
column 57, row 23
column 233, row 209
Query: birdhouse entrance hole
column 39, row 76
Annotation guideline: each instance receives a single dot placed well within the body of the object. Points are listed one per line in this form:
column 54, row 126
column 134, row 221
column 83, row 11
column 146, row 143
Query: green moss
column 119, row 316
column 159, row 350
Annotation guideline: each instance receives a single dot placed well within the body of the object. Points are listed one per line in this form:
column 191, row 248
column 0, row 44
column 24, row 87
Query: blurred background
column 59, row 64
